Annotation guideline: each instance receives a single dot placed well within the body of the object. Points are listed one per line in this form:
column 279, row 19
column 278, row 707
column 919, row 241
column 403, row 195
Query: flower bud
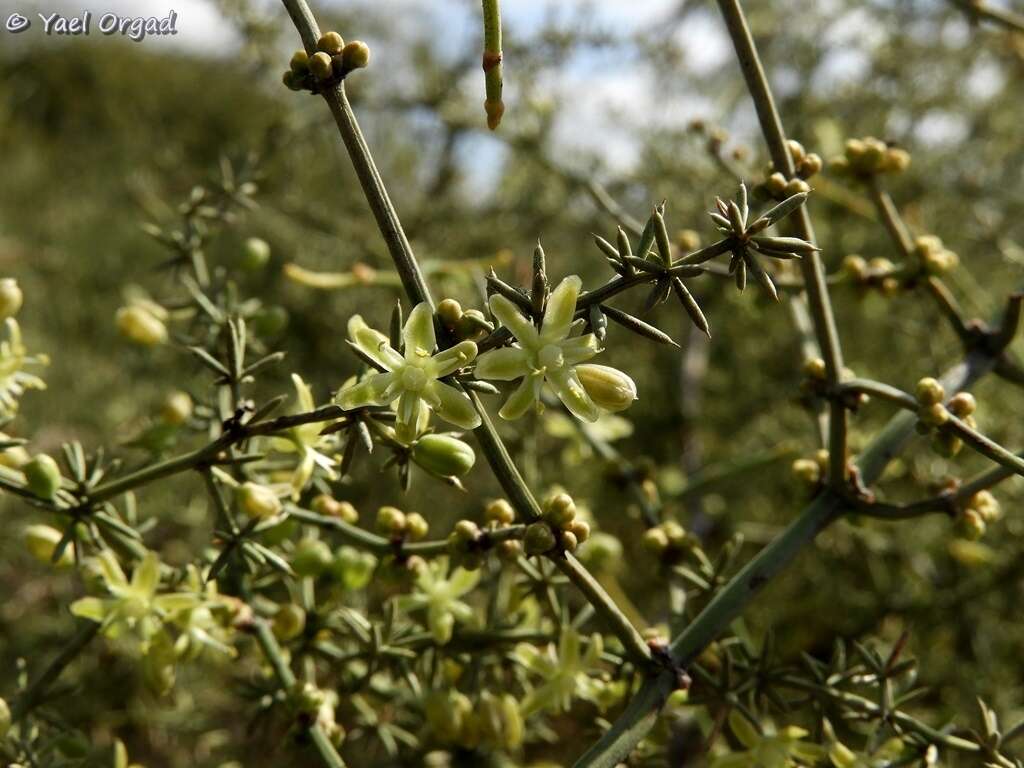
column 929, row 391
column 270, row 321
column 356, row 55
column 312, row 557
column 450, row 312
column 416, row 526
column 291, row 80
column 499, row 511
column 796, row 187
column 446, row 713
column 854, row 151
column 560, row 510
column 539, row 539
column 42, row 476
column 391, row 520
column 856, row 267
column 655, row 540
column 896, row 160
column 796, row 150
column 962, row 404
column 509, row 551
column 985, row 504
column 289, row 622
column 934, row 415
column 11, row 298
column 815, row 369
column 300, row 62
column 473, row 325
column 567, row 540
column 810, row 166
column 320, row 65
column 971, row 525
column 874, row 152
column 807, row 471
column 330, row 43
column 14, row 457
column 307, row 698
column 608, row 387
column 688, row 240
column 258, row 501
column 775, row 184
column 443, row 455
column 41, row 542
column 141, row 326
column 353, row 568
column 580, row 529
column 176, row 408
column 327, row 505
column 5, row 719
column 255, row 254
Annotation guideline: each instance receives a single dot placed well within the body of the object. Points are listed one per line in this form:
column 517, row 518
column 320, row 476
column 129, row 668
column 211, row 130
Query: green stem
column 286, row 679
column 811, row 266
column 33, row 695
column 494, row 106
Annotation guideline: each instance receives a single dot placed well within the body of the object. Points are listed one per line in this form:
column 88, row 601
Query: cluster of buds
column 933, row 415
column 463, row 325
column 815, row 383
column 981, row 510
column 327, row 505
column 668, row 541
column 399, row 525
column 495, row 722
column 807, row 164
column 716, row 138
column 934, row 257
column 500, row 514
column 332, row 61
column 811, row 470
column 559, row 528
column 878, row 273
column 467, row 545
column 143, row 322
column 868, row 156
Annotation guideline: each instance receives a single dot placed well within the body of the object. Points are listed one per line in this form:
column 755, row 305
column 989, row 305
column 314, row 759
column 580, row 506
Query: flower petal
column 373, row 344
column 509, row 316
column 561, row 307
column 454, row 406
column 520, row 401
column 453, row 358
column 408, row 416
column 580, row 348
column 372, row 390
column 570, row 391
column 91, row 608
column 502, row 364
column 303, row 392
column 418, row 333
column 146, row 577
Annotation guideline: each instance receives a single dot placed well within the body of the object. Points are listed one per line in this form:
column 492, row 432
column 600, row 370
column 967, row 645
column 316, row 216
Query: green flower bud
column 810, row 166
column 896, row 160
column 330, row 43
column 14, row 457
column 473, row 325
column 5, row 719
column 962, row 404
column 307, row 698
column 815, row 369
column 509, row 551
column 391, row 520
column 971, row 525
column 450, row 312
column 874, row 153
column 655, row 540
column 934, row 415
column 289, row 622
column 446, row 713
column 443, row 455
column 42, row 476
column 603, row 553
column 258, row 501
column 499, row 511
column 560, row 510
column 141, row 326
column 356, row 55
column 675, row 532
column 854, row 151
column 839, row 165
column 796, row 187
column 300, row 62
column 10, row 298
column 327, row 505
column 255, row 254
column 292, row 81
column 986, row 505
column 353, row 568
column 176, row 408
column 41, row 542
column 567, row 540
column 312, row 557
column 856, row 267
column 775, row 184
column 929, row 391
column 270, row 321
column 796, row 150
column 320, row 65
column 466, row 531
column 499, row 721
column 539, row 539
column 580, row 529
column 608, row 387
column 688, row 240
column 416, row 526
column 807, row 471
